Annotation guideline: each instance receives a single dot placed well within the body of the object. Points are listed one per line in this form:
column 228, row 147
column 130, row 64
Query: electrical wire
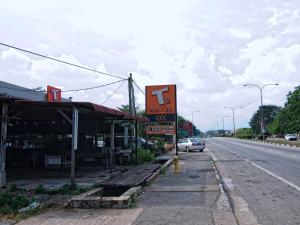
column 99, row 86
column 73, row 90
column 139, row 87
column 61, row 61
column 114, row 92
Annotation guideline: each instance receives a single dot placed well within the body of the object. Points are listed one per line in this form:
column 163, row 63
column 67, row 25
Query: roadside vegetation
column 278, row 120
column 17, row 204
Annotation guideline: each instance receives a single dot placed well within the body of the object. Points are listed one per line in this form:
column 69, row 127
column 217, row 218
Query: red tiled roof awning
column 118, row 113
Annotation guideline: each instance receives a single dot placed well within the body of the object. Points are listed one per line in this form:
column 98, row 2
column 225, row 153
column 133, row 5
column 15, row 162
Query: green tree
column 270, row 112
column 288, row 119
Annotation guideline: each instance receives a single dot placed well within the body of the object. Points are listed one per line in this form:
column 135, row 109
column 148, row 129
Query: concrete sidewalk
column 187, row 197
column 190, row 197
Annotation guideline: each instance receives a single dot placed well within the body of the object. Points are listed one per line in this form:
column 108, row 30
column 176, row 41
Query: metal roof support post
column 3, row 145
column 126, row 135
column 74, row 143
column 136, row 141
column 112, row 145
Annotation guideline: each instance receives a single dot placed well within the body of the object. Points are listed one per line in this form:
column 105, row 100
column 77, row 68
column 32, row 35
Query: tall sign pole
column 161, row 108
column 176, row 123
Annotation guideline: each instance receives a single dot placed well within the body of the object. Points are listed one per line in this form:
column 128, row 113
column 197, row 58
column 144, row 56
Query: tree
column 270, row 112
column 288, row 119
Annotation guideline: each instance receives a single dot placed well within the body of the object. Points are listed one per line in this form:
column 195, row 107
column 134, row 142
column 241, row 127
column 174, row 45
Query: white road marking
column 275, row 175
column 291, row 184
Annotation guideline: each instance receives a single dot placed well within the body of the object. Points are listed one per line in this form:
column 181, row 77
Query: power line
column 99, row 86
column 114, row 92
column 139, row 87
column 80, row 89
column 61, row 61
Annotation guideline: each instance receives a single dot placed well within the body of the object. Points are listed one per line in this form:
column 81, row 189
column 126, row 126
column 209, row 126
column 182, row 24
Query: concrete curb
column 150, row 180
column 223, row 213
column 237, row 203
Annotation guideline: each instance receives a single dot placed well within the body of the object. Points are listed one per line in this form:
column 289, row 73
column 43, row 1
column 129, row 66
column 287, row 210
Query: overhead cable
column 114, row 92
column 73, row 90
column 61, row 61
column 140, row 89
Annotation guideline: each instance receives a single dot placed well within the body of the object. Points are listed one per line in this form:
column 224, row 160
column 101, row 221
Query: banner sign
column 188, row 127
column 160, row 99
column 160, row 129
column 53, row 94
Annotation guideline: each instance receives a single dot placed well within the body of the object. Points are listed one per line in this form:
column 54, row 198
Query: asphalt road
column 262, row 180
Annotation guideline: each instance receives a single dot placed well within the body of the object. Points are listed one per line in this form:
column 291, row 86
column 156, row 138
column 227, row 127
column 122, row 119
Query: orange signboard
column 53, row 94
column 160, row 129
column 161, row 99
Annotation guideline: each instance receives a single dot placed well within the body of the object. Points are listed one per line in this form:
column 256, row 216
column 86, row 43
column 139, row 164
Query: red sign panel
column 53, row 94
column 160, row 129
column 187, row 127
column 161, row 99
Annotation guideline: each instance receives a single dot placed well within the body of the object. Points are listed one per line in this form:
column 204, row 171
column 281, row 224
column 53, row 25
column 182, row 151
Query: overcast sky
column 209, row 48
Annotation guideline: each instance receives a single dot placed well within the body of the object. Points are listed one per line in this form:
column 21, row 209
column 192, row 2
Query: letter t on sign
column 159, row 95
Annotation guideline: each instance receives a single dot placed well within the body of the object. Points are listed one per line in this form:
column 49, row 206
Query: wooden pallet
column 132, row 178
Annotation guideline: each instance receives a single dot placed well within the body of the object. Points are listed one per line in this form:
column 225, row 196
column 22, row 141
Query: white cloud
column 208, row 48
column 239, row 34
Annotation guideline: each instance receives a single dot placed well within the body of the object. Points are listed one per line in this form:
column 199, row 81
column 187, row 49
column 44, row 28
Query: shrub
column 40, row 189
column 13, row 188
column 144, row 155
column 244, row 133
column 10, row 203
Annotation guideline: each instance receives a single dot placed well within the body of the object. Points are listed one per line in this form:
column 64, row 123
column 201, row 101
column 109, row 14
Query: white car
column 290, row 137
column 191, row 144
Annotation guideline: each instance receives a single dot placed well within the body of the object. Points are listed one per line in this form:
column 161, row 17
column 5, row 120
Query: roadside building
column 38, row 135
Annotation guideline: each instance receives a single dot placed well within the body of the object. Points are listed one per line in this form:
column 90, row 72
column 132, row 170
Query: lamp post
column 233, row 112
column 193, row 121
column 261, row 104
column 223, row 119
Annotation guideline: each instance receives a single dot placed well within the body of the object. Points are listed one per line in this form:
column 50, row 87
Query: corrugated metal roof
column 31, row 97
column 17, row 92
column 13, row 91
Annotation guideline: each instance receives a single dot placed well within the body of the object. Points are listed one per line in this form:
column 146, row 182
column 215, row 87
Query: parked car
column 290, row 137
column 191, row 144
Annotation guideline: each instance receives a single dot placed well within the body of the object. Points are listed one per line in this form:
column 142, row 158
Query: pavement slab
column 187, row 197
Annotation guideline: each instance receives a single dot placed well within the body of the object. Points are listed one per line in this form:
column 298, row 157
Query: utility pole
column 193, row 122
column 233, row 114
column 223, row 120
column 263, row 129
column 132, row 111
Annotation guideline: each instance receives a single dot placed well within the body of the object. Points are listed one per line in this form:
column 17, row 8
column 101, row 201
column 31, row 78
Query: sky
column 209, row 49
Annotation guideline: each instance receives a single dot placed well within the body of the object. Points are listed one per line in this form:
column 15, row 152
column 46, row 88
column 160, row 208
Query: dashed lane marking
column 289, row 183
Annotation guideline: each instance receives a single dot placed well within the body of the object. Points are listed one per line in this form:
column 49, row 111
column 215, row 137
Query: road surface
column 263, row 180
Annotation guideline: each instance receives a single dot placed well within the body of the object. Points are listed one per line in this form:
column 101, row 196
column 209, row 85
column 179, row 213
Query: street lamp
column 193, row 121
column 233, row 112
column 261, row 104
column 223, row 118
